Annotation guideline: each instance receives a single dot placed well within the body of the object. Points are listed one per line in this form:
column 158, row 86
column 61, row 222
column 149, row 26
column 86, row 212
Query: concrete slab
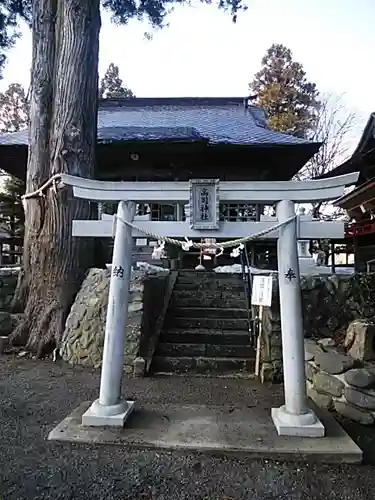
column 215, row 429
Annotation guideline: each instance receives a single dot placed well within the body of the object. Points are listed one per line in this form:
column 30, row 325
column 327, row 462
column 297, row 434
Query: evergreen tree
column 282, row 89
column 14, row 109
column 12, row 215
column 62, row 130
column 14, row 116
column 11, row 13
column 111, row 84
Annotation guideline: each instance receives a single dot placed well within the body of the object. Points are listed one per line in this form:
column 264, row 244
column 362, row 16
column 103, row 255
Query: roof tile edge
column 172, row 101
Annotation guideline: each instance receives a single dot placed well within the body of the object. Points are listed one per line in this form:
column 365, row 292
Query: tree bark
column 41, row 98
column 62, row 140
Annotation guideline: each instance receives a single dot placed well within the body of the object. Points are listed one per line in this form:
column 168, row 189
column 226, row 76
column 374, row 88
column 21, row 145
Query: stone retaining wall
column 330, row 303
column 340, row 382
column 8, row 284
column 83, row 338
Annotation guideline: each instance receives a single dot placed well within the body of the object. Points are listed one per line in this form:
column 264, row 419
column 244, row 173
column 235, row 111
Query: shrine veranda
column 202, row 198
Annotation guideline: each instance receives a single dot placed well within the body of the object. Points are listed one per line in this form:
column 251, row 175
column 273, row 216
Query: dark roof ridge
column 174, row 101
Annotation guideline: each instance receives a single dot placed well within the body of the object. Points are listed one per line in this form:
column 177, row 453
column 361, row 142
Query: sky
column 202, row 53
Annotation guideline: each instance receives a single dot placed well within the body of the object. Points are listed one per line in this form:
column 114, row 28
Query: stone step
column 204, row 350
column 168, row 349
column 192, row 274
column 206, row 278
column 204, row 281
column 215, row 286
column 205, row 312
column 202, row 365
column 184, row 298
column 210, row 323
column 213, row 337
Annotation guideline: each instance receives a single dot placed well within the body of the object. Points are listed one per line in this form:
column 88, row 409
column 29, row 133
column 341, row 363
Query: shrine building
column 166, row 139
column 360, row 202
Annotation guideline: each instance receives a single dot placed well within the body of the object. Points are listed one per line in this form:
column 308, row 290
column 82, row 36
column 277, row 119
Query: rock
column 277, row 376
column 312, row 349
column 360, row 377
column 350, row 335
column 321, row 400
column 327, row 342
column 266, row 373
column 3, row 343
column 5, row 323
column 308, row 356
column 276, row 353
column 310, row 370
column 327, row 384
column 359, row 340
column 17, row 318
column 365, row 400
column 135, row 306
column 333, row 362
column 139, row 367
column 352, row 413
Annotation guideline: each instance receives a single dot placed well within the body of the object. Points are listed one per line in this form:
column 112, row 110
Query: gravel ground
column 35, row 396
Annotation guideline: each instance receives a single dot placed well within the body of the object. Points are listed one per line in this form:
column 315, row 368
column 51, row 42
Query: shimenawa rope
column 189, row 243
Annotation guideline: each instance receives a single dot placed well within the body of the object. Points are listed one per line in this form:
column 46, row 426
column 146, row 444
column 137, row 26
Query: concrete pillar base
column 304, row 425
column 107, row 416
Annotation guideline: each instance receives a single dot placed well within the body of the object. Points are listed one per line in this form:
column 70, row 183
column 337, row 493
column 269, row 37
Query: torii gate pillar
column 294, row 418
column 110, row 409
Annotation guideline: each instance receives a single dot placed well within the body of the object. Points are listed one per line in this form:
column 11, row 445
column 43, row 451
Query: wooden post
column 109, row 409
column 333, row 264
column 294, row 418
column 259, row 341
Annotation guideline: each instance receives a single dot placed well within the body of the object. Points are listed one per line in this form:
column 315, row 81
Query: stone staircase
column 206, row 327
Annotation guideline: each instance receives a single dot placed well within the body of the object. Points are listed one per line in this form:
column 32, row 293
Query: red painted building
column 360, row 203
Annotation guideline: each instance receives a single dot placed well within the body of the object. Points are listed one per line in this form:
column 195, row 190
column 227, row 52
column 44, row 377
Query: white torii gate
column 294, row 418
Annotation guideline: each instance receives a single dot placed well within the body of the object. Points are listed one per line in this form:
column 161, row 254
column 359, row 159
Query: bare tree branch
column 334, row 125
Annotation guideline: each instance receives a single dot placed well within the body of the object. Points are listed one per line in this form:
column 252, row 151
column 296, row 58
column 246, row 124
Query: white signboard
column 261, row 294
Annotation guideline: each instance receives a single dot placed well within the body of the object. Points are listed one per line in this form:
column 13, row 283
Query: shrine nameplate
column 204, row 203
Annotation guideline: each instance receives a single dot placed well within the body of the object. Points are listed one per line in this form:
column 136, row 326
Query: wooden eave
column 359, row 201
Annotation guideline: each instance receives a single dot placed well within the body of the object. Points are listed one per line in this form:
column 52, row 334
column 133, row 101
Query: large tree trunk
column 41, row 99
column 62, row 139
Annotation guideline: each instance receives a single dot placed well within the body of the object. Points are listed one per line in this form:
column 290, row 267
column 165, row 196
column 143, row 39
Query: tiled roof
column 118, row 133
column 217, row 120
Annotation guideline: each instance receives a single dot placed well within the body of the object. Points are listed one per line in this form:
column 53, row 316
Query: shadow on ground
column 363, row 436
